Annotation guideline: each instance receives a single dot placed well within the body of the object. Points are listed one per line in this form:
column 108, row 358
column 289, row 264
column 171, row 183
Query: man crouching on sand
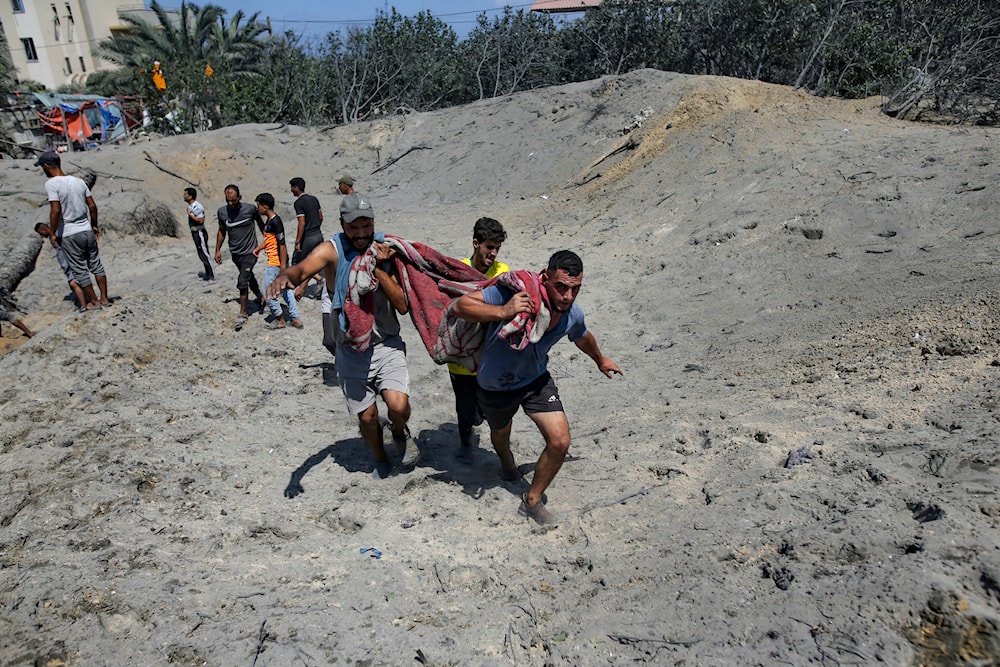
column 510, row 378
column 380, row 368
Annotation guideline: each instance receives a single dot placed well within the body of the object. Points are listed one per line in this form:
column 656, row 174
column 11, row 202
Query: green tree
column 514, row 51
column 753, row 39
column 620, row 36
column 399, row 64
column 185, row 43
column 950, row 63
column 418, row 57
column 292, row 87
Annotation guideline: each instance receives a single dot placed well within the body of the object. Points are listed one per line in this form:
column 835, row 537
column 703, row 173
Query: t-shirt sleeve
column 51, row 192
column 299, row 208
column 577, row 326
column 496, row 295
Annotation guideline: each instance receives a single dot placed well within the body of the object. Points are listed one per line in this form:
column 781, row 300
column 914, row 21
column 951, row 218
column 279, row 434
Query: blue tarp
column 101, row 112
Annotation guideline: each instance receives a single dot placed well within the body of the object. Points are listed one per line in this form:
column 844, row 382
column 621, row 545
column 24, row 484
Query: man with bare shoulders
column 380, row 368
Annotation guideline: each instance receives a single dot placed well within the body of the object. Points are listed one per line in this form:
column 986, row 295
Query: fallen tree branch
column 397, row 159
column 20, row 261
column 583, row 182
column 108, row 175
column 167, row 171
column 261, row 638
column 627, row 143
column 628, row 641
column 640, row 492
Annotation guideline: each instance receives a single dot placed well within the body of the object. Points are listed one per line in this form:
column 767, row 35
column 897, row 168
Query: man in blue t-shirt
column 510, row 378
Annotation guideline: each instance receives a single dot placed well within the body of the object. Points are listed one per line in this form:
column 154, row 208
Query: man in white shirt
column 196, row 223
column 73, row 226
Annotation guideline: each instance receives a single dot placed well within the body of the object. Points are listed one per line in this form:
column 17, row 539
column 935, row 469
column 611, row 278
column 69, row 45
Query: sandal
column 240, row 321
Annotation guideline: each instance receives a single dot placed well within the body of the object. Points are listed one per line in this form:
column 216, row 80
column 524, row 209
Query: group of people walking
column 371, row 363
column 519, row 315
column 239, row 222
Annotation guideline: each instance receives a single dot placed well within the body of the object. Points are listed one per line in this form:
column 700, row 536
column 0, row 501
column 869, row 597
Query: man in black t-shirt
column 310, row 219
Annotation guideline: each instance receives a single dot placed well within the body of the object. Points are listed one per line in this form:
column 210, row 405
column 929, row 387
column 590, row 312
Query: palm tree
column 185, row 43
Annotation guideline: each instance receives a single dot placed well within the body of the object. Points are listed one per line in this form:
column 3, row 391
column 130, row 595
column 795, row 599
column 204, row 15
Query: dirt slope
column 798, row 467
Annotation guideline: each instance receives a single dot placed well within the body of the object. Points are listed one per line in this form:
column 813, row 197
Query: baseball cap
column 346, row 180
column 355, row 206
column 49, row 157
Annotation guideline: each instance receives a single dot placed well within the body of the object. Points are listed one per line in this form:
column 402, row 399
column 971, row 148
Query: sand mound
column 798, row 466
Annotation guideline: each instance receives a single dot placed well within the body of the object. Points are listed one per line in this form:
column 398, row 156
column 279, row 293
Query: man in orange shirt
column 277, row 258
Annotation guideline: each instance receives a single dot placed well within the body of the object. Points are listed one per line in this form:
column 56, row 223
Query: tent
column 83, row 118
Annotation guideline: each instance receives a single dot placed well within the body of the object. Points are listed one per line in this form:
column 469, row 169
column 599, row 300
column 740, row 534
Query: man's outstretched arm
column 588, row 345
column 324, row 255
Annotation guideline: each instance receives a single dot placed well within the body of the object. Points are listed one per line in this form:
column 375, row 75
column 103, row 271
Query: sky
column 317, row 18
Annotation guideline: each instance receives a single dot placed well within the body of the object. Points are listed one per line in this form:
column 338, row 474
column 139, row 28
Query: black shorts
column 309, row 242
column 499, row 407
column 245, row 278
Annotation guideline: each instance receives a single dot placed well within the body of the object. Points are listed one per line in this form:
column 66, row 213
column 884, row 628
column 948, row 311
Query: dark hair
column 488, row 229
column 298, row 182
column 565, row 260
column 191, row 192
column 234, row 188
column 39, row 225
column 265, row 198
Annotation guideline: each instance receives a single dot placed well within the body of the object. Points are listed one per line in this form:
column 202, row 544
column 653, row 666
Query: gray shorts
column 81, row 253
column 387, row 370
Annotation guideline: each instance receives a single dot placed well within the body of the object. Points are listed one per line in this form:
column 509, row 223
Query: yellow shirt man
column 487, row 237
column 496, row 268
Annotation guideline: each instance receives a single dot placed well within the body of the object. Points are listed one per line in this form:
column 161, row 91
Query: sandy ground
column 799, row 466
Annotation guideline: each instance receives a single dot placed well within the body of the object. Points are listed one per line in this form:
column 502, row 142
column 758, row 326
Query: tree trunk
column 18, row 264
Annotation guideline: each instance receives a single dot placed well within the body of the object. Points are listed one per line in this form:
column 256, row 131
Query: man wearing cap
column 237, row 220
column 380, row 368
column 73, row 226
column 345, row 185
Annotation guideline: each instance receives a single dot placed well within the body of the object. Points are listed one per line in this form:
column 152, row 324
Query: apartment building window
column 29, row 50
column 83, row 65
column 69, row 66
column 55, row 22
column 17, row 6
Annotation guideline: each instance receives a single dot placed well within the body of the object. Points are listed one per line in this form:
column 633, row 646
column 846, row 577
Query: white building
column 55, row 42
